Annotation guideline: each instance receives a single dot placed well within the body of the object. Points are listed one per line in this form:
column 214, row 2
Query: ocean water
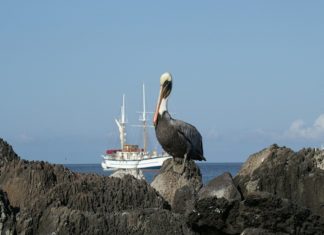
column 208, row 170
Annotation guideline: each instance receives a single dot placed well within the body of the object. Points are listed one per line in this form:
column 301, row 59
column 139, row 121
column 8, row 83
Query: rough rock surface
column 62, row 220
column 221, row 186
column 6, row 153
column 87, row 204
column 170, row 179
column 41, row 198
column 184, row 200
column 7, row 219
column 121, row 173
column 297, row 176
column 259, row 231
column 260, row 213
column 51, row 199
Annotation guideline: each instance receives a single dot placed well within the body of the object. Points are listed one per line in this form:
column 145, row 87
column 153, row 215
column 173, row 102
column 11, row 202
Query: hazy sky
column 246, row 73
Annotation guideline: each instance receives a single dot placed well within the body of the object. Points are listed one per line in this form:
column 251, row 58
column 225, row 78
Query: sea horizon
column 209, row 170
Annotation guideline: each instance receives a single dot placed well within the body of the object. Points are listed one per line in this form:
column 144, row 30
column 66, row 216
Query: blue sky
column 246, row 73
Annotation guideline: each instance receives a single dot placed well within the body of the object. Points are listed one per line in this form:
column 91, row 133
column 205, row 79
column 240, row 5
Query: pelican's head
column 165, row 77
column 165, row 90
column 166, row 85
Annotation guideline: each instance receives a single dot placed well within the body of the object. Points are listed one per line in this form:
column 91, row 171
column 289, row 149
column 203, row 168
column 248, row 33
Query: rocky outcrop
column 184, row 200
column 121, row 173
column 297, row 176
column 172, row 182
column 7, row 217
column 25, row 182
column 42, row 198
column 87, row 204
column 259, row 231
column 259, row 213
column 6, row 153
column 51, row 199
column 221, row 186
column 62, row 220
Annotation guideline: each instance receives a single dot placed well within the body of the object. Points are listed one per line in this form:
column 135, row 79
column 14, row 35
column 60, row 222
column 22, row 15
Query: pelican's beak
column 165, row 90
column 156, row 114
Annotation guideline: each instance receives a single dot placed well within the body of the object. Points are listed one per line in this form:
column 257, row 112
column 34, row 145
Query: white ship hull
column 148, row 163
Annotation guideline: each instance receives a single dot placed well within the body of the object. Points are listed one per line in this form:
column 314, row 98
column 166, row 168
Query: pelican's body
column 177, row 138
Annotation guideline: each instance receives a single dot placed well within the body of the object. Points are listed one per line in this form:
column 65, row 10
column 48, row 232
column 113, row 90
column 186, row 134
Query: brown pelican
column 177, row 138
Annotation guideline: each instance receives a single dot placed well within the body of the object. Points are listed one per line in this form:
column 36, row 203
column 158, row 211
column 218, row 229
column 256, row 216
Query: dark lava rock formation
column 51, row 199
column 7, row 219
column 269, row 196
column 221, row 186
column 298, row 176
column 260, row 212
column 178, row 188
column 120, row 173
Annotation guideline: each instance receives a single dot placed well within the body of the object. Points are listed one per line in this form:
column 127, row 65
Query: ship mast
column 121, row 124
column 144, row 120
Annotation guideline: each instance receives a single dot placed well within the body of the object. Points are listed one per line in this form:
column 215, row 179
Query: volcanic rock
column 42, row 198
column 121, row 173
column 52, row 199
column 7, row 219
column 259, row 231
column 184, row 200
column 221, row 186
column 260, row 212
column 24, row 182
column 84, row 203
column 298, row 176
column 171, row 178
column 6, row 153
column 62, row 220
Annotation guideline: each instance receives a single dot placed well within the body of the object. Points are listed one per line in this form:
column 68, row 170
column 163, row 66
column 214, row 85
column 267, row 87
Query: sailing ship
column 131, row 156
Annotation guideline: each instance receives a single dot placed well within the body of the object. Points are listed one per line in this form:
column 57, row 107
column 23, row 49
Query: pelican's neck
column 163, row 106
